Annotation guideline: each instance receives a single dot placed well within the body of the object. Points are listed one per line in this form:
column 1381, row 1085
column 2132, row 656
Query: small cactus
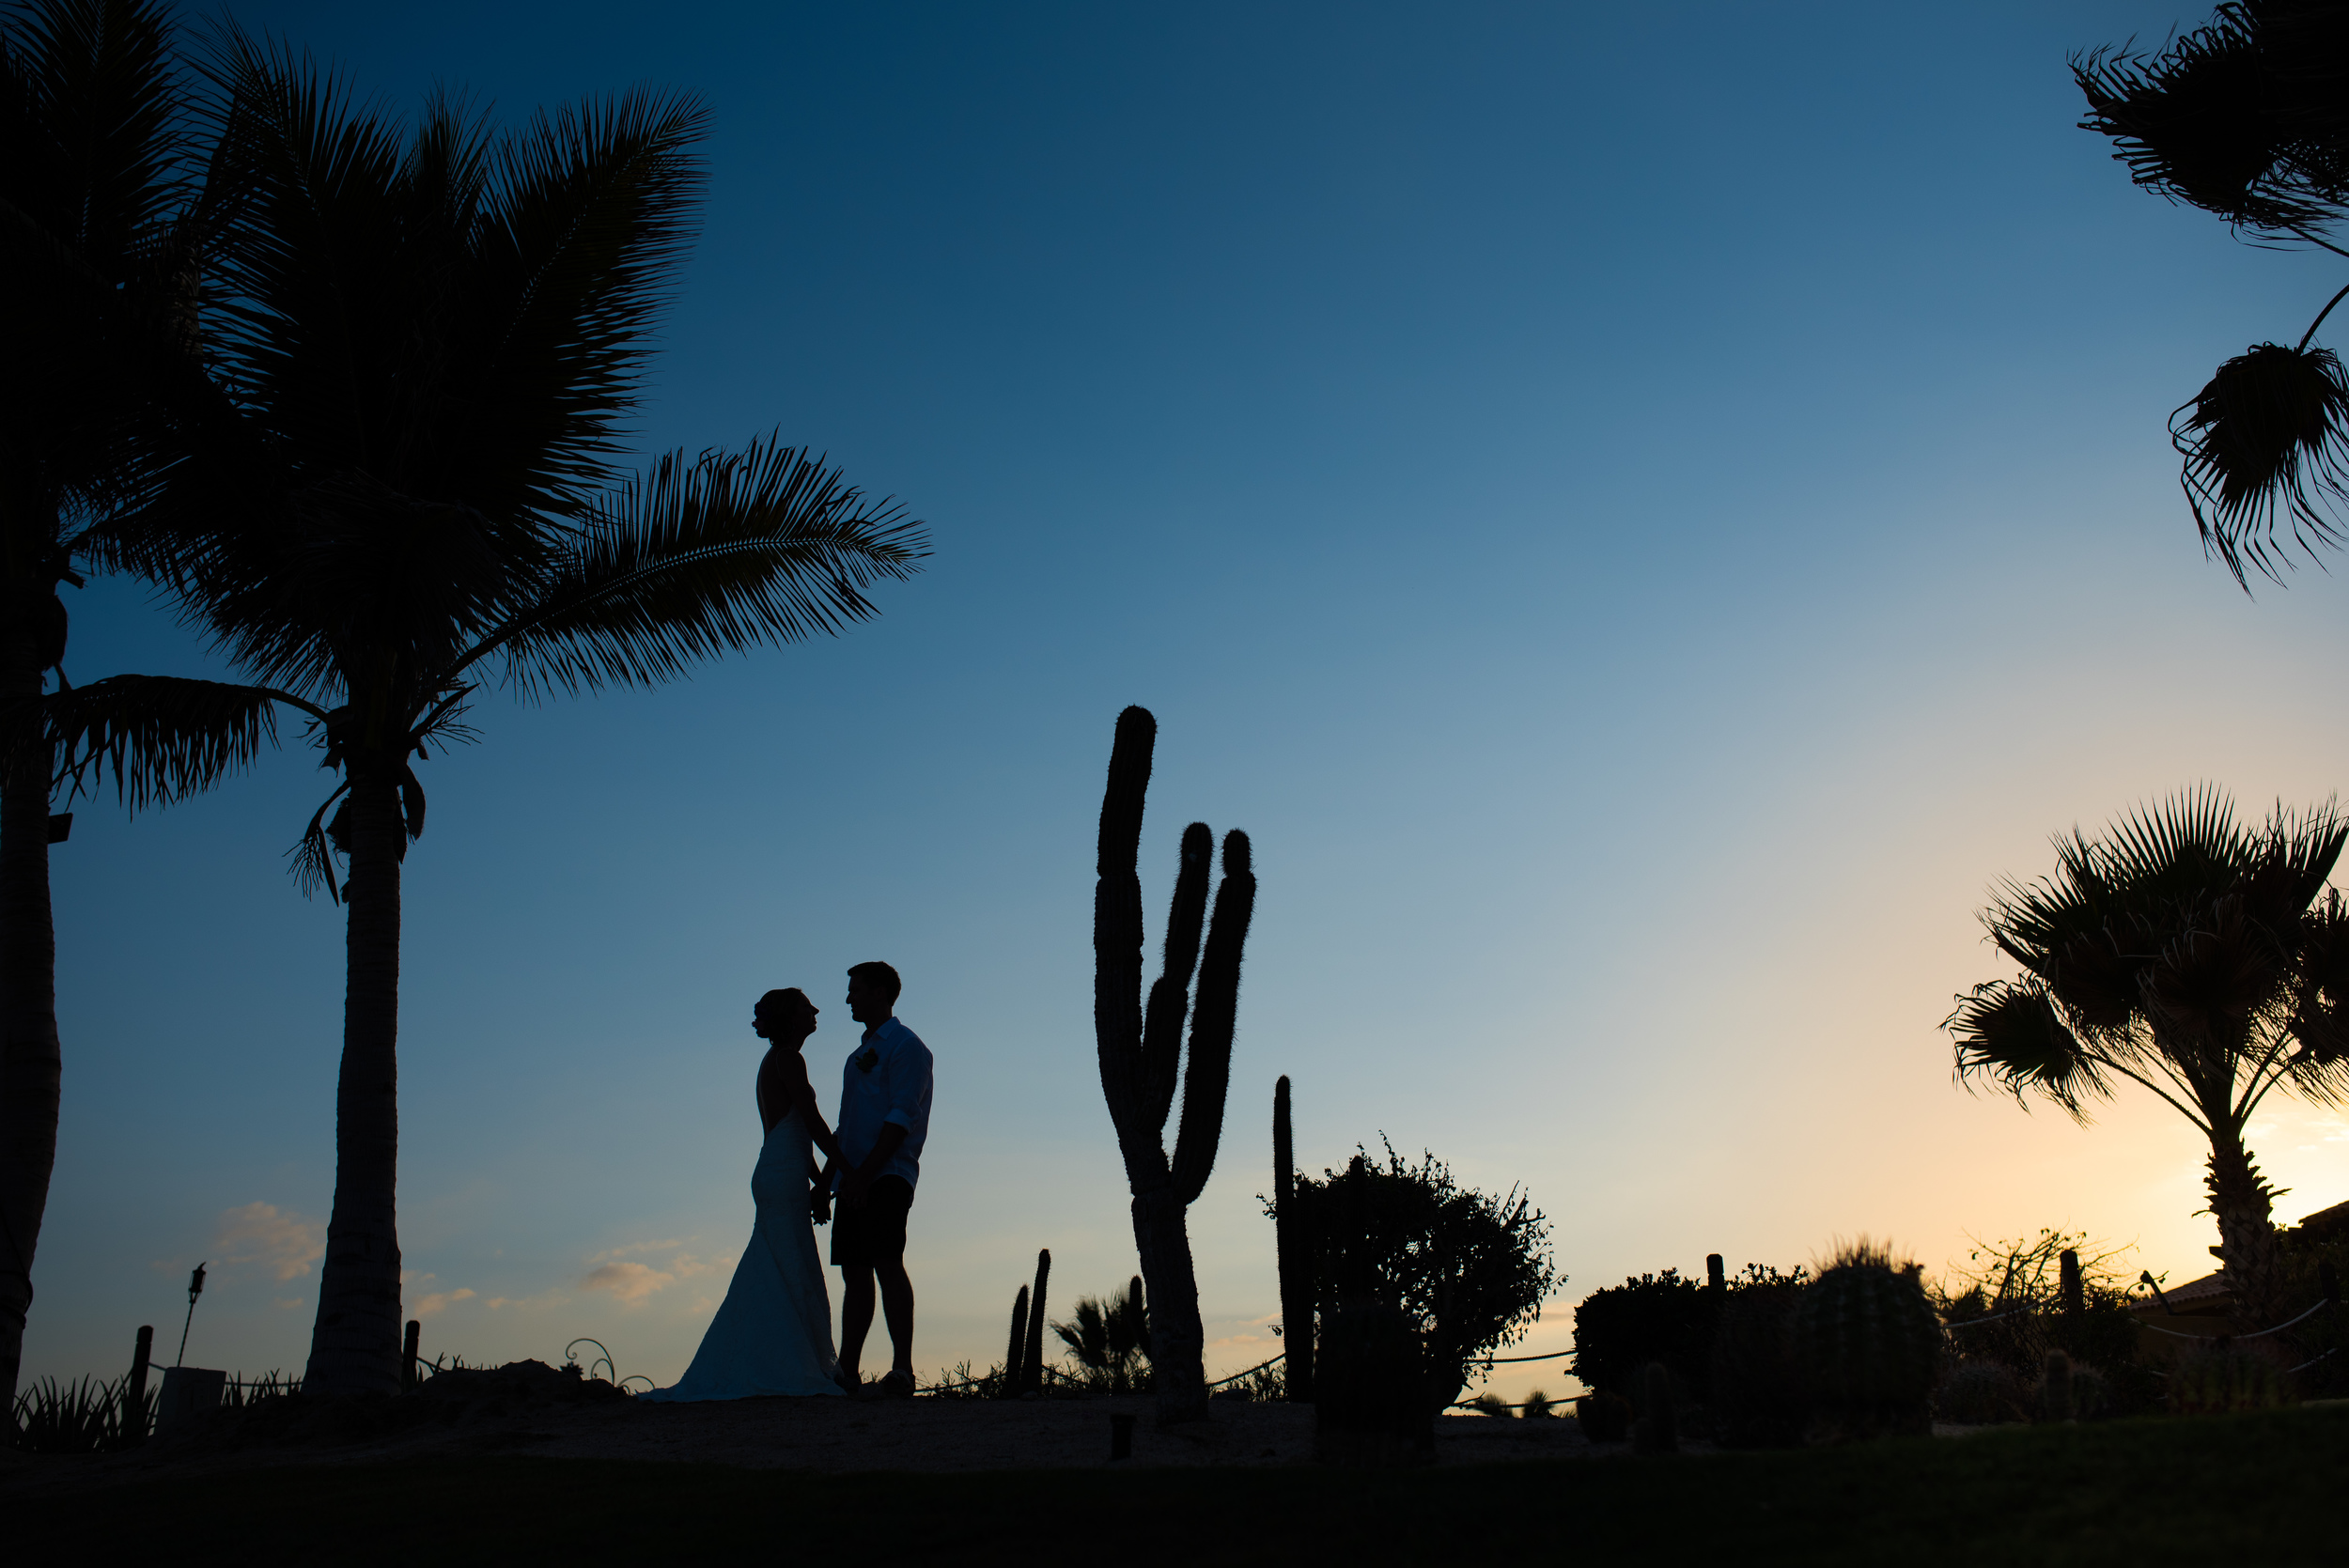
column 1867, row 1343
column 2055, row 1388
column 1031, row 1358
column 1019, row 1345
column 1294, row 1248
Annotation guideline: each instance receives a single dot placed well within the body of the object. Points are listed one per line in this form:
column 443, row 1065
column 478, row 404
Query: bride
column 773, row 1334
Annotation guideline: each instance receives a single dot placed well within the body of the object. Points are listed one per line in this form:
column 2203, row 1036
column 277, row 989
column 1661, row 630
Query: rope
column 1250, row 1373
column 1495, row 1361
column 2255, row 1334
column 1976, row 1322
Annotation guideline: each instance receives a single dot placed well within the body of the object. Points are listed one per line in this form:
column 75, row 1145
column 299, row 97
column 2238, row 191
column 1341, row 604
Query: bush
column 2227, row 1376
column 1661, row 1317
column 1467, row 1270
column 2013, row 1291
column 1757, row 1394
column 1110, row 1341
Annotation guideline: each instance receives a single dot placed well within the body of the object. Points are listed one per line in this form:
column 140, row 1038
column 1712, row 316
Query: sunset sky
column 1643, row 514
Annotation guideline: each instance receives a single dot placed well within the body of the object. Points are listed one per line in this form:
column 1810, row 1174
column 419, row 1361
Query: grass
column 2260, row 1488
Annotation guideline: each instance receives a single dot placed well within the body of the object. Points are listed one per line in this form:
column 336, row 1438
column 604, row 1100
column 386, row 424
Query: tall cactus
column 1295, row 1248
column 1139, row 1053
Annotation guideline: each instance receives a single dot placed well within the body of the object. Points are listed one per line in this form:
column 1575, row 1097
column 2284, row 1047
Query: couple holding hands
column 774, row 1333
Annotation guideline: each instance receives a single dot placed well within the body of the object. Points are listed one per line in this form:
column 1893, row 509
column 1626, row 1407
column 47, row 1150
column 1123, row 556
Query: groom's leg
column 896, row 1297
column 856, row 1314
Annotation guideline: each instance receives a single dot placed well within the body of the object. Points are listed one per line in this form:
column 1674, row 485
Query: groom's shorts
column 873, row 1232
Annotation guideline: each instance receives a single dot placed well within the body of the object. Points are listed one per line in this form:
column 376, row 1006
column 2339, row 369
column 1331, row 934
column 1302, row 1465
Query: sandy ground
column 817, row 1434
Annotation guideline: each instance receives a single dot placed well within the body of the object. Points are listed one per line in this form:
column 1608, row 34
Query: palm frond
column 582, row 232
column 2010, row 1034
column 164, row 738
column 701, row 557
column 2198, row 123
column 2266, row 446
column 89, row 106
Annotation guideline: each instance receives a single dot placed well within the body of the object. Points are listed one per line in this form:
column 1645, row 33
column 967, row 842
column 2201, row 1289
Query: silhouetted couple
column 774, row 1333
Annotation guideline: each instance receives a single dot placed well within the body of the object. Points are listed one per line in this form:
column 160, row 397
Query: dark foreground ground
column 2259, row 1489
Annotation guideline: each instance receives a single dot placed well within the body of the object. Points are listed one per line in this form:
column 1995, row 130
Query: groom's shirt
column 885, row 1080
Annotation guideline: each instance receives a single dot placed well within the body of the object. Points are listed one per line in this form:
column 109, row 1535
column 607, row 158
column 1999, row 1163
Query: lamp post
column 195, row 1288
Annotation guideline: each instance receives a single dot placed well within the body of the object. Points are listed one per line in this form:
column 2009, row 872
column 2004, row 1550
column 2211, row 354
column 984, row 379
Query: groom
column 885, row 1117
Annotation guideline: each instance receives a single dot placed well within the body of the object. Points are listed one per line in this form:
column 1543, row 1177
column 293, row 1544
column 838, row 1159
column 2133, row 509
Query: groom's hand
column 854, row 1184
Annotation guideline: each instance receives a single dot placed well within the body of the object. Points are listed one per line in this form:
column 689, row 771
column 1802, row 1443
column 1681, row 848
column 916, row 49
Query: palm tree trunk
column 1177, row 1343
column 354, row 1348
column 29, row 1057
column 2240, row 1201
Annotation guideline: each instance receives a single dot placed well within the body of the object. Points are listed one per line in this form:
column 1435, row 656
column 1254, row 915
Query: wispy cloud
column 628, row 1280
column 279, row 1240
column 440, row 1299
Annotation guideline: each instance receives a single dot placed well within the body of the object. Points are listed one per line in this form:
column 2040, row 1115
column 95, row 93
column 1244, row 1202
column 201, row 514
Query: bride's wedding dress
column 774, row 1333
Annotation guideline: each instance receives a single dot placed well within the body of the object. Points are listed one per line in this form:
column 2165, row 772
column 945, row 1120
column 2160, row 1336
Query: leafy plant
column 1110, row 1337
column 1663, row 1317
column 1604, row 1417
column 1467, row 1270
column 82, row 1417
column 2225, row 1376
column 2004, row 1304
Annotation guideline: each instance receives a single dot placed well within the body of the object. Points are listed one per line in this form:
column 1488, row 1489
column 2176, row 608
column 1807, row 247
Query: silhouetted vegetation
column 2201, row 960
column 1467, row 1271
column 1110, row 1337
column 2244, row 118
column 1140, row 1056
column 392, row 486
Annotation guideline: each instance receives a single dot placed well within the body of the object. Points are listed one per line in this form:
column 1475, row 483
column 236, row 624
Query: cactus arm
column 1118, row 945
column 1032, row 1363
column 1163, row 1030
column 1212, row 1021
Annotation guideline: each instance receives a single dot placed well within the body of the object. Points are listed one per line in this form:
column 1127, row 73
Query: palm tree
column 405, row 493
column 2202, row 960
column 104, row 221
column 2244, row 118
column 1111, row 1338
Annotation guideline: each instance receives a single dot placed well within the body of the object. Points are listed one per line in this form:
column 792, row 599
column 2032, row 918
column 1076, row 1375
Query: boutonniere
column 867, row 1059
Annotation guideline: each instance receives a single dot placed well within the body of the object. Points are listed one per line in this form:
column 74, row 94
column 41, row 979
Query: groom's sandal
column 894, row 1384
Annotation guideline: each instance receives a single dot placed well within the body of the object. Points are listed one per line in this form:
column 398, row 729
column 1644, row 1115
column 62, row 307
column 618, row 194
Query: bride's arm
column 816, row 1129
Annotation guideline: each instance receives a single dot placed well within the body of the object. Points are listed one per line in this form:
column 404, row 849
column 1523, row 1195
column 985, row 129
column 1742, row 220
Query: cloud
column 630, row 1281
column 438, row 1299
column 688, row 1266
column 634, row 1247
column 280, row 1241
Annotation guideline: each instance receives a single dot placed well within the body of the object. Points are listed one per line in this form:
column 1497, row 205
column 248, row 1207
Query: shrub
column 1756, row 1393
column 1467, row 1270
column 1661, row 1317
column 2011, row 1288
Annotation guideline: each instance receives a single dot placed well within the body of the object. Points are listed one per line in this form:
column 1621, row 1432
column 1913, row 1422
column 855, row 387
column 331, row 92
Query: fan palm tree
column 104, row 221
column 1111, row 1338
column 2202, row 960
column 2244, row 119
column 405, row 493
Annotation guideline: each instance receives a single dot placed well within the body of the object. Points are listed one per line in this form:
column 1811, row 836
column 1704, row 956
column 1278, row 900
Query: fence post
column 1715, row 1280
column 135, row 1399
column 407, row 1358
column 2070, row 1263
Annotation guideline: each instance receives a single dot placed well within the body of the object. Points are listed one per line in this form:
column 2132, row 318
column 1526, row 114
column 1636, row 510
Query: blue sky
column 1642, row 514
